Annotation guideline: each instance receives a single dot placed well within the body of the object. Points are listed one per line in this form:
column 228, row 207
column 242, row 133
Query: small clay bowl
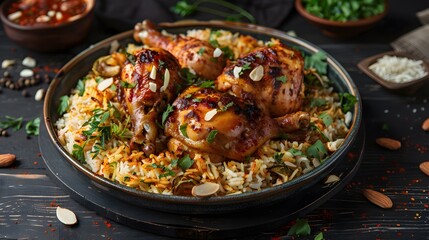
column 340, row 29
column 405, row 88
column 48, row 38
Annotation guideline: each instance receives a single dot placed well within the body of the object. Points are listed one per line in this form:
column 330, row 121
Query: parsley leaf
column 227, row 52
column 185, row 162
column 295, row 152
column 78, row 153
column 347, row 101
column 197, row 100
column 224, row 108
column 183, row 130
column 11, row 122
column 64, row 104
column 127, row 84
column 317, row 61
column 201, row 51
column 32, row 127
column 317, row 150
column 319, row 236
column 278, row 157
column 326, row 118
column 165, row 114
column 211, row 136
column 282, row 79
column 318, row 102
column 300, row 228
column 80, row 87
column 207, row 84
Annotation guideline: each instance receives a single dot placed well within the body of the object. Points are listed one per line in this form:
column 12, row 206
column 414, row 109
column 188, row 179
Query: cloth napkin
column 416, row 42
column 123, row 15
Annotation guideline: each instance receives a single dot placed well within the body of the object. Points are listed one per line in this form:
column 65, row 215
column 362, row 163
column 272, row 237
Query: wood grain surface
column 28, row 197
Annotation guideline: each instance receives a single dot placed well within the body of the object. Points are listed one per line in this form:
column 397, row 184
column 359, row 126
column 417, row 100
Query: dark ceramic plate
column 403, row 88
column 81, row 65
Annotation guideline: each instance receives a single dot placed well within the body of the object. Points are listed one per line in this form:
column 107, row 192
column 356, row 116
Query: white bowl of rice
column 138, row 179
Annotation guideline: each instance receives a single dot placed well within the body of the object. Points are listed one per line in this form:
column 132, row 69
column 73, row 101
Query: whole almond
column 425, row 125
column 389, row 143
column 424, row 167
column 377, row 198
column 7, row 159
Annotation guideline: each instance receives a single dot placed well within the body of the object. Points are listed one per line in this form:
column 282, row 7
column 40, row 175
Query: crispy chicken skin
column 281, row 89
column 191, row 52
column 146, row 89
column 241, row 127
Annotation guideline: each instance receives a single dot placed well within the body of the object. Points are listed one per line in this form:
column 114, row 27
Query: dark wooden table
column 28, row 196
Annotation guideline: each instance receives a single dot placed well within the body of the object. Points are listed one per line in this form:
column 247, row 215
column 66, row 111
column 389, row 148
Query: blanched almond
column 424, row 167
column 257, row 73
column 425, row 125
column 7, row 159
column 332, row 178
column 66, row 216
column 378, row 198
column 389, row 143
column 103, row 85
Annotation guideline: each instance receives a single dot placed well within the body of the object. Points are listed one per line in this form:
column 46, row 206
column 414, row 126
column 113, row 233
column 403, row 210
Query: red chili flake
column 378, row 225
column 49, row 225
column 53, row 229
column 426, row 205
column 39, row 154
column 35, row 163
column 95, row 223
column 398, row 225
column 108, row 224
column 53, row 203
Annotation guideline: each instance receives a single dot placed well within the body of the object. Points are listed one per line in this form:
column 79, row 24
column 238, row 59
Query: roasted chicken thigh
column 197, row 55
column 146, row 87
column 219, row 123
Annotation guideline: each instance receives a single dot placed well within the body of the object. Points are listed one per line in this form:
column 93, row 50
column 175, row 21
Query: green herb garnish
column 185, row 162
column 207, row 84
column 32, row 127
column 319, row 236
column 127, row 84
column 317, row 61
column 278, row 157
column 11, row 122
column 185, row 8
column 227, row 52
column 300, row 228
column 318, row 102
column 201, row 51
column 326, row 118
column 165, row 114
column 347, row 101
column 282, row 79
column 64, row 105
column 183, row 128
column 224, row 108
column 80, row 87
column 197, row 100
column 344, row 10
column 211, row 136
column 295, row 152
column 317, row 150
column 78, row 153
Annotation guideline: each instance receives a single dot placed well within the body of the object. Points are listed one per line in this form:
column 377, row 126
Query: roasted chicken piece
column 197, row 55
column 272, row 76
column 145, row 89
column 219, row 123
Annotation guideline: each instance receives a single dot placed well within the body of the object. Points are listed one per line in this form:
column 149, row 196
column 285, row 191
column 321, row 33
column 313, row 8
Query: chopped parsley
column 11, row 122
column 326, row 118
column 80, row 87
column 207, row 84
column 127, row 84
column 32, row 127
column 319, row 236
column 300, row 228
column 165, row 114
column 278, row 157
column 318, row 102
column 183, row 128
column 282, row 79
column 317, row 150
column 295, row 152
column 64, row 105
column 197, row 100
column 211, row 136
column 347, row 101
column 201, row 51
column 185, row 162
column 227, row 52
column 224, row 108
column 78, row 153
column 317, row 61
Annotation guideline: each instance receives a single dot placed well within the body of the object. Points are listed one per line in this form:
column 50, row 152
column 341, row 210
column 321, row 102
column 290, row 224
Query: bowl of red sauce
column 47, row 25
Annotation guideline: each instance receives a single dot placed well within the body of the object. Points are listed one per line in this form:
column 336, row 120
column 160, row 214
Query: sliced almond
column 153, row 73
column 389, row 143
column 66, row 216
column 14, row 16
column 205, row 189
column 425, row 125
column 152, row 86
column 377, row 198
column 26, row 73
column 424, row 167
column 103, row 85
column 236, row 71
column 7, row 63
column 210, row 114
column 7, row 159
column 332, row 178
column 29, row 62
column 257, row 73
column 166, row 80
column 217, row 52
